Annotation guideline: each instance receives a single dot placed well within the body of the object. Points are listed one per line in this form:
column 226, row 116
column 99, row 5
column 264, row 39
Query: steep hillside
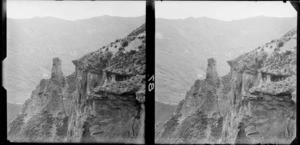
column 12, row 111
column 163, row 112
column 32, row 43
column 102, row 101
column 193, row 40
column 254, row 103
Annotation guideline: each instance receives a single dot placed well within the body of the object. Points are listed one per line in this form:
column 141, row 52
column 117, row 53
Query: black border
column 3, row 104
column 150, row 71
column 296, row 5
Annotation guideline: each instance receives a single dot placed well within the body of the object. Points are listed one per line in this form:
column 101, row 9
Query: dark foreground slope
column 254, row 103
column 102, row 101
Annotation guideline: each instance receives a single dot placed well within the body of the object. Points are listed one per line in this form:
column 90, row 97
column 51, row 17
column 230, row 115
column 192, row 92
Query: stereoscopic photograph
column 75, row 71
column 225, row 72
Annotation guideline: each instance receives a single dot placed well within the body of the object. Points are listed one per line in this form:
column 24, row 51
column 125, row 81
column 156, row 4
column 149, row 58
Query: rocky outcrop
column 43, row 117
column 110, row 112
column 199, row 109
column 261, row 108
column 102, row 101
column 57, row 75
column 212, row 76
column 253, row 103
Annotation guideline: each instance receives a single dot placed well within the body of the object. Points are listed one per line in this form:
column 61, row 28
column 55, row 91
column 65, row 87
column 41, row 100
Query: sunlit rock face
column 253, row 103
column 102, row 101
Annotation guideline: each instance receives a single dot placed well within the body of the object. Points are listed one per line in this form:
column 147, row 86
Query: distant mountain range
column 32, row 43
column 184, row 45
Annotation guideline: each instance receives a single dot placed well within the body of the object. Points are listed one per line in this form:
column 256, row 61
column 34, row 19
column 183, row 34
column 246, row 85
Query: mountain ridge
column 242, row 19
column 26, row 38
column 181, row 42
column 57, row 18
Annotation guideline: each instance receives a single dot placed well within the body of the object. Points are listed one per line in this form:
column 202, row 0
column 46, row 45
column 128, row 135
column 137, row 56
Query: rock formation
column 102, row 101
column 198, row 118
column 212, row 76
column 57, row 75
column 253, row 103
column 43, row 114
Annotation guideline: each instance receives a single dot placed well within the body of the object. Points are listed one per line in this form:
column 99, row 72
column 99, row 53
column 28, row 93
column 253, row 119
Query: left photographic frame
column 75, row 71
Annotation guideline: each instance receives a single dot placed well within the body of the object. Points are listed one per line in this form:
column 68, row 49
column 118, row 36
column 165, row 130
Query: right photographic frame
column 225, row 72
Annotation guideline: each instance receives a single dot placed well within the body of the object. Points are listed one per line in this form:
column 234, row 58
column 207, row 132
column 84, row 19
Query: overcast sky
column 73, row 10
column 222, row 10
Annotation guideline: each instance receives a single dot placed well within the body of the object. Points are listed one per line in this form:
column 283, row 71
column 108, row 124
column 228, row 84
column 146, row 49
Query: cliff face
column 197, row 118
column 44, row 112
column 263, row 85
column 254, row 103
column 102, row 101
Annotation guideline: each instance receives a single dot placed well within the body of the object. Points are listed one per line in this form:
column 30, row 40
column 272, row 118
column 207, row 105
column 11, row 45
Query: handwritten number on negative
column 151, row 85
